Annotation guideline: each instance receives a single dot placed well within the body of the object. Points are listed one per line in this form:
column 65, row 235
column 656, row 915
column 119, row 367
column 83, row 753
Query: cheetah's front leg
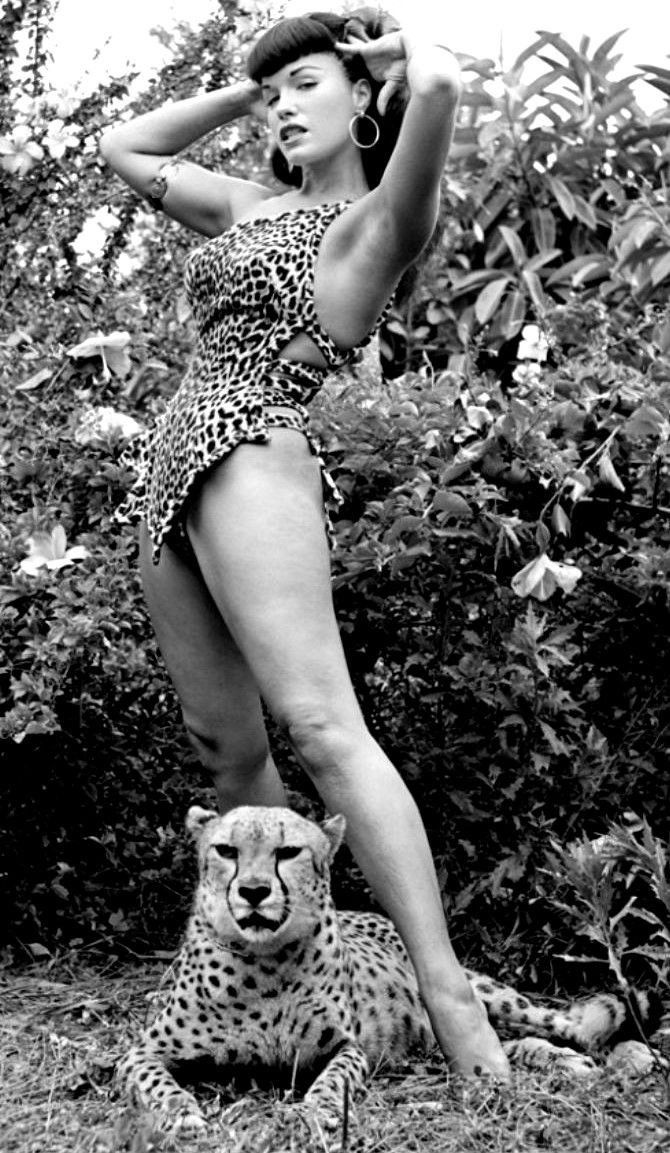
column 149, row 1083
column 348, row 1067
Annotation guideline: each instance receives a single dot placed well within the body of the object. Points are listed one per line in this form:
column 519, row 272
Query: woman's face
column 309, row 105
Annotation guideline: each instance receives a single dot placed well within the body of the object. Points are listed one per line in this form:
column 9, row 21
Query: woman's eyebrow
column 305, row 68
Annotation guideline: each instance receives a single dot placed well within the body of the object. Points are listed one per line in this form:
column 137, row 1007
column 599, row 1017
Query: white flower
column 127, row 264
column 533, row 344
column 478, row 417
column 18, row 151
column 100, row 424
column 528, row 374
column 49, row 550
column 89, row 243
column 28, row 108
column 60, row 136
column 63, row 103
column 112, row 349
column 543, row 576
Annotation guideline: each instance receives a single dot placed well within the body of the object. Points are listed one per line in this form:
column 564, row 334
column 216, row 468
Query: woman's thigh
column 217, row 692
column 258, row 531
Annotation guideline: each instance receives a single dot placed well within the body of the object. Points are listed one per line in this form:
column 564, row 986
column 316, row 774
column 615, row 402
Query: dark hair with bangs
column 298, row 36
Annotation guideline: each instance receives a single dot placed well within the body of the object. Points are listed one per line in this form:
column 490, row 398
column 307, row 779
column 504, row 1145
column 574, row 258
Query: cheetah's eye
column 288, row 852
column 228, row 852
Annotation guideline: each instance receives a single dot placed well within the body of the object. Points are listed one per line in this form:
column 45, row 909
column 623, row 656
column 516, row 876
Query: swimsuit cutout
column 251, row 290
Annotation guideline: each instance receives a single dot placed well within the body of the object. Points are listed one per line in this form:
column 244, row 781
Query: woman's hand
column 384, row 58
column 256, row 103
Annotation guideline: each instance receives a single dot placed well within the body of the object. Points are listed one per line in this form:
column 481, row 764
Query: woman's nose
column 285, row 104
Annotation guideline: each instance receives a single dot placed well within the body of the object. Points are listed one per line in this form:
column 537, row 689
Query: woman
column 234, row 555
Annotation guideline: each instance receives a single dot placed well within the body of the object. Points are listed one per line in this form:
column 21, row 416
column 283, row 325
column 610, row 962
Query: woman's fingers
column 384, row 58
column 354, row 45
column 393, row 83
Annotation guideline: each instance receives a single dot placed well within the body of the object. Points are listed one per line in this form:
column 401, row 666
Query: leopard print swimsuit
column 251, row 290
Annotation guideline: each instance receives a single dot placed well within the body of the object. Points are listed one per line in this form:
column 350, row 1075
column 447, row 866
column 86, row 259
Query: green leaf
column 532, row 50
column 451, row 503
column 564, row 197
column 592, row 270
column 662, row 85
column 622, row 100
column 578, row 63
column 515, row 245
column 473, row 280
column 661, row 336
column 512, row 316
column 534, row 286
column 560, row 521
column 633, row 235
column 602, row 52
column 585, row 212
column 493, row 206
column 489, row 298
column 543, row 258
column 662, row 73
column 647, row 420
column 544, row 228
column 35, row 380
column 569, row 271
column 557, row 746
column 542, row 83
column 542, row 536
column 660, row 269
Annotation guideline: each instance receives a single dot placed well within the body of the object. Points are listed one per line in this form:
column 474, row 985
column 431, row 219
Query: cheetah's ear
column 334, row 829
column 197, row 818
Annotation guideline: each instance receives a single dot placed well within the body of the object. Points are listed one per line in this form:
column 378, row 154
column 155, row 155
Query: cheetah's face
column 264, row 873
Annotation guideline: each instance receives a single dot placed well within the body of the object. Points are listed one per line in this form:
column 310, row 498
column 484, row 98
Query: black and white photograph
column 334, row 577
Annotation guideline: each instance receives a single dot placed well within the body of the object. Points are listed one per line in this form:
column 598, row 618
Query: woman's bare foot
column 465, row 1036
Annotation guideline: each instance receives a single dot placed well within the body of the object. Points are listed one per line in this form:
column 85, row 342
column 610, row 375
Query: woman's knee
column 323, row 741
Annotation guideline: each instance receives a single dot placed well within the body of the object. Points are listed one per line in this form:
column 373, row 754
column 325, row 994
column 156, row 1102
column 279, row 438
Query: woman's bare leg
column 257, row 530
column 218, row 695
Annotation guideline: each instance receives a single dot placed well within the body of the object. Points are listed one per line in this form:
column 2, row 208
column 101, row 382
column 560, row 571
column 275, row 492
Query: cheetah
column 271, row 976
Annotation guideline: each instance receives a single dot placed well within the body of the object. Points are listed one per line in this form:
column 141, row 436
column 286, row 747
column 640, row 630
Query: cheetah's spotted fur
column 271, row 976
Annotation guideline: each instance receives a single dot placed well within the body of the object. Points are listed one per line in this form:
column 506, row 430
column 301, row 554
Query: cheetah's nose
column 254, row 894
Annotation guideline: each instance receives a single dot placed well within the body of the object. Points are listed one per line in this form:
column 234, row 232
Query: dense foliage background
column 504, row 546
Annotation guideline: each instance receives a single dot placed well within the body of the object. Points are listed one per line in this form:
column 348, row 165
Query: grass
column 63, row 1027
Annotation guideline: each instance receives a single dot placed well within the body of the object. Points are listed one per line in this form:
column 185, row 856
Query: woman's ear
column 362, row 95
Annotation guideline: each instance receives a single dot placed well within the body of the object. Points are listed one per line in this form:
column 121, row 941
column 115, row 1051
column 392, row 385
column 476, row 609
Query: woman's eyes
column 304, row 84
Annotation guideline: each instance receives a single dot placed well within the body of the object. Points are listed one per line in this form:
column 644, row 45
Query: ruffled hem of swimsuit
column 136, row 507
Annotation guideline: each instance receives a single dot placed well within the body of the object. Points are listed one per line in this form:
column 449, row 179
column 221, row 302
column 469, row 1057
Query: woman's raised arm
column 145, row 153
column 408, row 193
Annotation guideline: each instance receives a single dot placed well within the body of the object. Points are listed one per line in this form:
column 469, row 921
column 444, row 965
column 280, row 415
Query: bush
column 528, row 722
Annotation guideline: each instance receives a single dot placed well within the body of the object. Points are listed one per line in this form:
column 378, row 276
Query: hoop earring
column 356, row 119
